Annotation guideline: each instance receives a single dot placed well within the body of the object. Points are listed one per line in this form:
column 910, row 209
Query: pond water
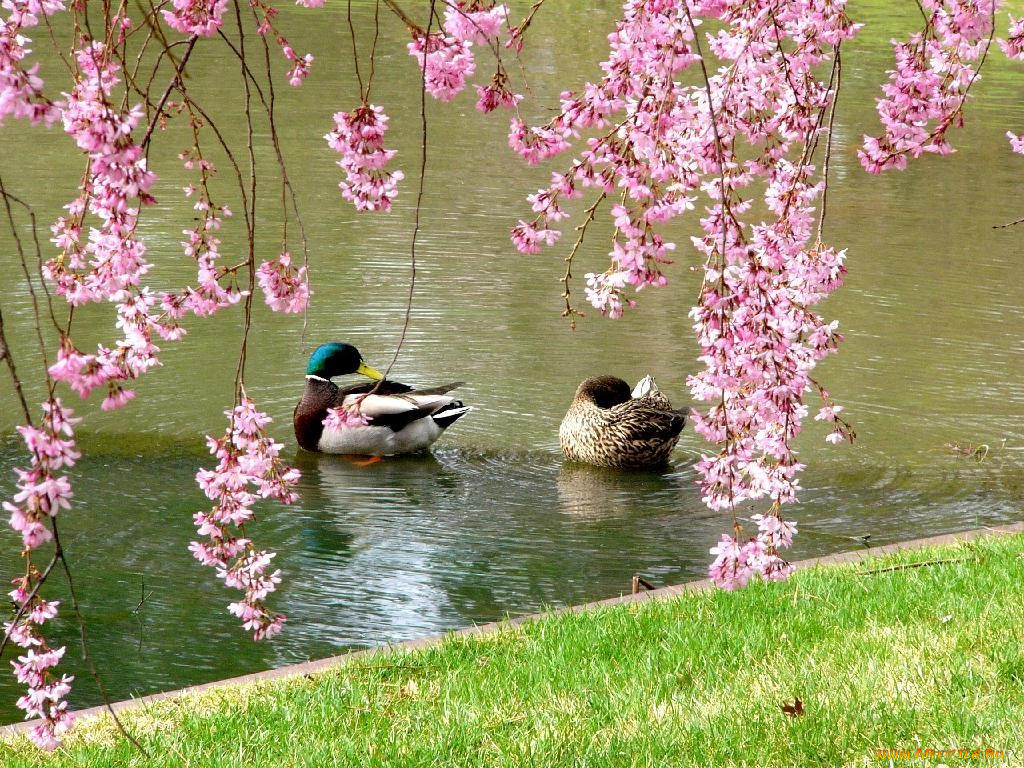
column 493, row 523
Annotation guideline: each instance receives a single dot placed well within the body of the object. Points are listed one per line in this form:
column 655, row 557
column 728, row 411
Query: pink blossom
column 643, row 139
column 930, row 82
column 285, row 287
column 474, row 21
column 45, row 696
column 605, row 292
column 196, row 17
column 828, row 413
column 117, row 398
column 529, row 239
column 345, row 418
column 41, row 493
column 496, row 94
column 773, row 532
column 359, row 138
column 108, row 262
column 21, row 88
column 249, row 468
column 202, row 244
column 1013, row 46
column 731, row 568
column 1016, row 142
column 299, row 69
column 536, row 144
column 446, row 62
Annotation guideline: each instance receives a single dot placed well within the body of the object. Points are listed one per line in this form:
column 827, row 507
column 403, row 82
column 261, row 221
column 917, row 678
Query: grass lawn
column 927, row 657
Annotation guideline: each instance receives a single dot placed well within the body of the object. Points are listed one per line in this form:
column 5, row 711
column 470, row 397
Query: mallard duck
column 610, row 425
column 401, row 419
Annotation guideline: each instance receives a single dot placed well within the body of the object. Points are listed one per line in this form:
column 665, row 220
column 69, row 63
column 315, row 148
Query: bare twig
column 419, row 201
column 28, row 600
column 904, row 566
column 412, row 25
column 7, row 357
column 167, row 91
column 83, row 637
column 251, row 220
column 838, row 65
column 570, row 311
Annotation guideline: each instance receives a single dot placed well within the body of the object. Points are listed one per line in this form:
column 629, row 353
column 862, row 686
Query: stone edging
column 305, row 668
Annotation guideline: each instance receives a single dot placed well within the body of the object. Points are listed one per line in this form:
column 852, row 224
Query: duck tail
column 449, row 414
column 441, row 390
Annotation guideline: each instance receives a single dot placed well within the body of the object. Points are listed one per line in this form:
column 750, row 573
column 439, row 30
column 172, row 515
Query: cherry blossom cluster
column 497, row 93
column 196, row 17
column 635, row 156
column 446, row 57
column 45, row 699
column 249, row 468
column 446, row 62
column 345, row 418
column 109, row 263
column 736, row 563
column 100, row 258
column 285, row 286
column 203, row 245
column 298, row 69
column 656, row 145
column 1013, row 47
column 359, row 139
column 21, row 88
column 43, row 490
column 926, row 91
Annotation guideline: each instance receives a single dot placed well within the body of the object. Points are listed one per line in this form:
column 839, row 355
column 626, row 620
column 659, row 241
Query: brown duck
column 609, row 425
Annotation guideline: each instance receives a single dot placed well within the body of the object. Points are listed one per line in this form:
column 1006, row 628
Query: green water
column 493, row 523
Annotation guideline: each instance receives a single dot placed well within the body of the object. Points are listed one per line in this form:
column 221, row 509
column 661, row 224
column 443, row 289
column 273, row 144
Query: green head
column 337, row 359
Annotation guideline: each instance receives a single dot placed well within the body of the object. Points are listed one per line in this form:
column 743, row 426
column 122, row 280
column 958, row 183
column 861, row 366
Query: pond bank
column 884, row 656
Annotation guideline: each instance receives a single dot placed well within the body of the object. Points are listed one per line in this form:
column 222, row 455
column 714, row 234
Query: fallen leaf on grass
column 793, row 710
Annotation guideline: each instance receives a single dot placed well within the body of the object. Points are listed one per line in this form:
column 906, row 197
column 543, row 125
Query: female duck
column 399, row 419
column 611, row 426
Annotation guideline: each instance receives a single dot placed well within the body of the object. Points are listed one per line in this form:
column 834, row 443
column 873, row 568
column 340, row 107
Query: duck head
column 604, row 391
column 337, row 359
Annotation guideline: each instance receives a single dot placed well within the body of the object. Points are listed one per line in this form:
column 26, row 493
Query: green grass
column 928, row 657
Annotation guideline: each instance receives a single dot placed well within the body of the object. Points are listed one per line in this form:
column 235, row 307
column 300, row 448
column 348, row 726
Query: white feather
column 386, row 405
column 644, row 387
column 383, row 441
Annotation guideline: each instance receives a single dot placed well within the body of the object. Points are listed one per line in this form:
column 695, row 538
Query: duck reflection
column 370, row 545
column 590, row 492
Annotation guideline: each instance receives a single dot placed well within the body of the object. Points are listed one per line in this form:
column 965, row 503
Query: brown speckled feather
column 606, row 427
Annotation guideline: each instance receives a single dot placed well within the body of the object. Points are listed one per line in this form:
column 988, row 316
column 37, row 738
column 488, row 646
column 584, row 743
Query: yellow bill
column 369, row 372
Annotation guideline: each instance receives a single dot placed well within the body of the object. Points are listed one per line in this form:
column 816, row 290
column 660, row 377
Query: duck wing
column 387, row 387
column 396, row 405
column 645, row 419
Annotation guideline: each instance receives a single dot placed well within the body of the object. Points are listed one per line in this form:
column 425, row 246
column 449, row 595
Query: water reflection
column 599, row 493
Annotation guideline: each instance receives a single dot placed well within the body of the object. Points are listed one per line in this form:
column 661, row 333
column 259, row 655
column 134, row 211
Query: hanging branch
column 838, row 65
column 8, row 358
column 59, row 554
column 419, row 205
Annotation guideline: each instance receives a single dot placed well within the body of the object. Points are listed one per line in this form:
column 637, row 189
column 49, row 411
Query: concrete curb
column 305, row 668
